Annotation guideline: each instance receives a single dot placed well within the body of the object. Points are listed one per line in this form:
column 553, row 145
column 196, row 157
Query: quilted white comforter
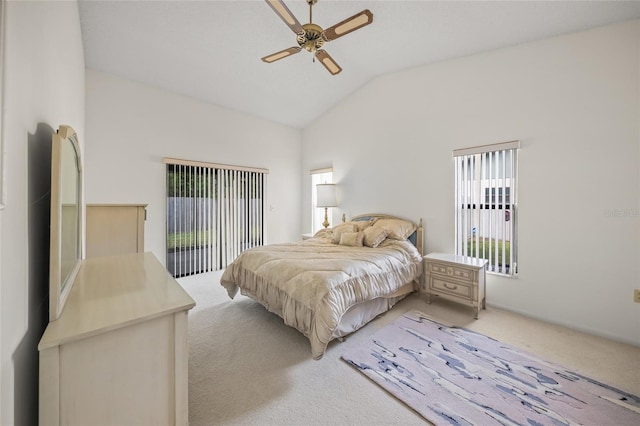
column 312, row 283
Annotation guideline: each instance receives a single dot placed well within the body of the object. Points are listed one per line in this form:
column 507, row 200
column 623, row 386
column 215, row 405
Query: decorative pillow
column 353, row 239
column 360, row 225
column 373, row 236
column 398, row 229
column 338, row 230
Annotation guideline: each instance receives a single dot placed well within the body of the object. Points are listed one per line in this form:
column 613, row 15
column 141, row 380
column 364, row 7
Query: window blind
column 486, row 205
column 214, row 212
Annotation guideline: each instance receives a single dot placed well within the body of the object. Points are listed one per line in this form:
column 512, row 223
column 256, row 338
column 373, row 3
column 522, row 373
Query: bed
column 334, row 283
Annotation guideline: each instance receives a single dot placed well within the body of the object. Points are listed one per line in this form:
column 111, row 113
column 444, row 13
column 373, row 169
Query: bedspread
column 312, row 283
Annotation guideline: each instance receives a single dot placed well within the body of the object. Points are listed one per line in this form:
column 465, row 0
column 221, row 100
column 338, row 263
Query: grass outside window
column 183, row 240
column 487, row 250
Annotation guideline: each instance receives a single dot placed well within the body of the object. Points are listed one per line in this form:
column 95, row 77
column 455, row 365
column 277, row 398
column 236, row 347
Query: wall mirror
column 66, row 217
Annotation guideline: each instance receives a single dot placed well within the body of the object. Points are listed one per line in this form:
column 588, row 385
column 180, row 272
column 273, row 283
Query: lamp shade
column 326, row 195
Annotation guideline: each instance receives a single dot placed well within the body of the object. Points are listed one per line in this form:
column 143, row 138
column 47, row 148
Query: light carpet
column 455, row 376
column 246, row 367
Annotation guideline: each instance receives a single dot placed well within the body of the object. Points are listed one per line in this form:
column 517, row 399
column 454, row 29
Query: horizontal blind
column 485, row 205
column 213, row 214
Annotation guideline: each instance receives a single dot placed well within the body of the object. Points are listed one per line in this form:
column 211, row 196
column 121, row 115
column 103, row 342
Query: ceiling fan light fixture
column 312, row 37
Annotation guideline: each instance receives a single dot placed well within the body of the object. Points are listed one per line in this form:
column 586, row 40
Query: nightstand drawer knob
column 451, row 286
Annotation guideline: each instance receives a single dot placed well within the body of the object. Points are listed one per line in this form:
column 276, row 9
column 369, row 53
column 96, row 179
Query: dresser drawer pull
column 451, row 286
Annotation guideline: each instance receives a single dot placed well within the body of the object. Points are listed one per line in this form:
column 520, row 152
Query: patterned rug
column 454, row 376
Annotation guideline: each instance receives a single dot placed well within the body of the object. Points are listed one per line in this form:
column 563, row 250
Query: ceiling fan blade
column 283, row 12
column 328, row 62
column 281, row 54
column 357, row 21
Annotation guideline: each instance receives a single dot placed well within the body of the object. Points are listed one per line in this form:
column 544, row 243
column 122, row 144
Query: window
column 490, row 195
column 317, row 214
column 214, row 212
column 486, row 205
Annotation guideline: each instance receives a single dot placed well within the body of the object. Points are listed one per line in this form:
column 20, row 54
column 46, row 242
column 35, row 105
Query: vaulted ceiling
column 211, row 49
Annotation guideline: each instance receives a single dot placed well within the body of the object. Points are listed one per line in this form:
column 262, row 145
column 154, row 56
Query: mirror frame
column 60, row 288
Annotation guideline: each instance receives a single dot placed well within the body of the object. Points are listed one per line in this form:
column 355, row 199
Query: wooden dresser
column 118, row 353
column 457, row 278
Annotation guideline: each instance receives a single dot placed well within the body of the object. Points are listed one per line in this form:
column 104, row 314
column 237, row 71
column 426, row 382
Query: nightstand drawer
column 438, row 268
column 451, row 271
column 452, row 288
column 463, row 274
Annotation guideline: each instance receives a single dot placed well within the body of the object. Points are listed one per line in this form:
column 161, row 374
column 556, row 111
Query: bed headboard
column 417, row 238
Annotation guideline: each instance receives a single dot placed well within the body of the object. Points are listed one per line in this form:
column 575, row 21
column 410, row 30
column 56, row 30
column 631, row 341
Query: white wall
column 131, row 127
column 573, row 101
column 43, row 88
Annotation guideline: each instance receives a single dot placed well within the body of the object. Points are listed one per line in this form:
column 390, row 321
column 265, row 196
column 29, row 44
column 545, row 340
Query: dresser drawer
column 451, row 271
column 453, row 288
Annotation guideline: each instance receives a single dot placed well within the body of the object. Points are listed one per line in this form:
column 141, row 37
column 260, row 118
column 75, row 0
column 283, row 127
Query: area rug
column 454, row 376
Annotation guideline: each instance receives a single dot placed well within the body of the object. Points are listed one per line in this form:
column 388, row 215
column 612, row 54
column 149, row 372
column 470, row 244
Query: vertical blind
column 485, row 205
column 214, row 212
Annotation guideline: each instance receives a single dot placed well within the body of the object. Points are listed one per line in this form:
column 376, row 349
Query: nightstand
column 457, row 278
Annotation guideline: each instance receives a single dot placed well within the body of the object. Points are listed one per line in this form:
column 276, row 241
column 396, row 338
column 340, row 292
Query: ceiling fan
column 312, row 37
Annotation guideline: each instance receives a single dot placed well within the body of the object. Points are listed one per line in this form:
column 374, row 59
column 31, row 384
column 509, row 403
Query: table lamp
column 326, row 197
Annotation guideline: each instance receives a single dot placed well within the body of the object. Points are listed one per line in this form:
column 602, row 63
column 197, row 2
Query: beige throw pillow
column 352, row 239
column 360, row 225
column 338, row 230
column 398, row 229
column 374, row 236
